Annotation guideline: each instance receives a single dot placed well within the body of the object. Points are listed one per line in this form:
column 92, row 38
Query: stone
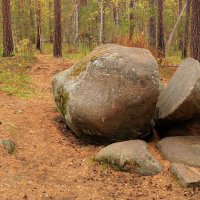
column 130, row 155
column 185, row 175
column 9, row 145
column 181, row 149
column 111, row 93
column 180, row 100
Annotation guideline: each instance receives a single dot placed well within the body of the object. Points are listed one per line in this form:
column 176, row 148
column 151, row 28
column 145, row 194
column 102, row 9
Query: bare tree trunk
column 195, row 30
column 57, row 29
column 175, row 27
column 76, row 22
column 32, row 20
column 152, row 24
column 102, row 22
column 116, row 15
column 161, row 41
column 8, row 46
column 50, row 22
column 131, row 19
column 180, row 35
column 186, row 34
column 39, row 28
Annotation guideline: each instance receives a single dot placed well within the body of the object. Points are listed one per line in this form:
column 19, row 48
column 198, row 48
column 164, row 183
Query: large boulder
column 180, row 100
column 130, row 155
column 112, row 93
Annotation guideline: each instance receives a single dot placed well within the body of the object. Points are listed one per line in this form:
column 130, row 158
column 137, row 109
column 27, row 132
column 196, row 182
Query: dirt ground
column 51, row 164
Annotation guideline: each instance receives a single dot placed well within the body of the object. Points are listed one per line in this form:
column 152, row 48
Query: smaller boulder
column 129, row 155
column 186, row 176
column 181, row 149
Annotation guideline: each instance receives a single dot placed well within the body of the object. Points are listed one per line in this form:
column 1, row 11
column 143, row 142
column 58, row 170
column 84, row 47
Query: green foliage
column 14, row 78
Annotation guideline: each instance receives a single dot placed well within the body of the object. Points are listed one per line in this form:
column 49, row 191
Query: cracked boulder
column 110, row 93
column 130, row 155
column 180, row 100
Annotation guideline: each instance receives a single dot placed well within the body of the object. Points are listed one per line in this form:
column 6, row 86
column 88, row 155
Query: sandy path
column 49, row 163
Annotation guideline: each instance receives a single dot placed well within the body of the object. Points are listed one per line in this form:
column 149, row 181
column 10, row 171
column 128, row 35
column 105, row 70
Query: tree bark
column 102, row 22
column 186, row 34
column 161, row 41
column 76, row 7
column 8, row 46
column 131, row 19
column 39, row 28
column 180, row 35
column 32, row 20
column 50, row 22
column 152, row 24
column 57, row 29
column 195, row 30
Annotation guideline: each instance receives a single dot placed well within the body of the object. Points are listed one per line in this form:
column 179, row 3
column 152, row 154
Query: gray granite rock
column 180, row 100
column 185, row 175
column 112, row 93
column 181, row 149
column 130, row 155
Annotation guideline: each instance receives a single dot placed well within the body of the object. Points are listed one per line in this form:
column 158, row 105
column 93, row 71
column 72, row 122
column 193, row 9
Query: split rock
column 181, row 149
column 111, row 93
column 180, row 100
column 129, row 155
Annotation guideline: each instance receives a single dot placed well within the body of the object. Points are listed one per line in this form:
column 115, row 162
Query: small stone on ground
column 129, row 155
column 181, row 149
column 186, row 176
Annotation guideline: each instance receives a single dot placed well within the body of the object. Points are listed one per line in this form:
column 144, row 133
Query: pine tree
column 8, row 46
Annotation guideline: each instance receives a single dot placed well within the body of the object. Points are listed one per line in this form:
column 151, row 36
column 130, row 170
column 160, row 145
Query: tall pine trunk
column 8, row 46
column 195, row 30
column 57, row 29
column 39, row 28
column 161, row 41
column 102, row 22
column 76, row 22
column 50, row 22
column 152, row 24
column 180, row 35
column 32, row 20
column 131, row 20
column 186, row 34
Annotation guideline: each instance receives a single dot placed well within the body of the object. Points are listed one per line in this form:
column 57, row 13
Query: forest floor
column 49, row 163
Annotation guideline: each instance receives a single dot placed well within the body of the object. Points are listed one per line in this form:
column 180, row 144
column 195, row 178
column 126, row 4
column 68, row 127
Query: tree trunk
column 102, row 22
column 161, row 41
column 131, row 19
column 116, row 15
column 57, row 29
column 186, row 34
column 195, row 30
column 32, row 20
column 76, row 22
column 180, row 35
column 8, row 46
column 152, row 24
column 39, row 28
column 50, row 22
column 175, row 27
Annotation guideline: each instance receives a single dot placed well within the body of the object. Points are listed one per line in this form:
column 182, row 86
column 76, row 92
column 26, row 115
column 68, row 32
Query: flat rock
column 180, row 100
column 129, row 155
column 181, row 149
column 186, row 176
column 110, row 93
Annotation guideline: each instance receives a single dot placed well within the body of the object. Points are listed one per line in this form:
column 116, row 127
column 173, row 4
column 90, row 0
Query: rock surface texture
column 181, row 149
column 111, row 93
column 181, row 99
column 129, row 155
column 186, row 176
